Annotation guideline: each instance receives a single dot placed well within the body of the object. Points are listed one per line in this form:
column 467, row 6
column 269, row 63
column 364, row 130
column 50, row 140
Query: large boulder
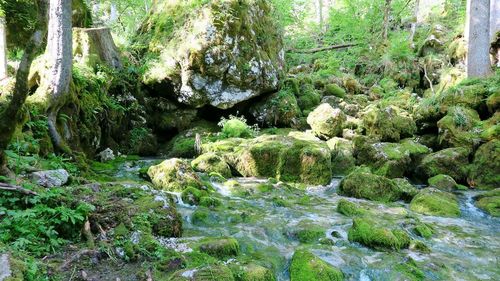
column 306, row 266
column 459, row 128
column 278, row 109
column 365, row 232
column 51, row 178
column 389, row 159
column 388, row 123
column 490, row 202
column 450, row 161
column 211, row 163
column 484, row 173
column 326, row 122
column 174, row 175
column 433, row 202
column 216, row 53
column 286, row 158
column 343, row 160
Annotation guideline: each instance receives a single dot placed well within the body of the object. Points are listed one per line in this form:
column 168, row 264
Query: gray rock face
column 4, row 267
column 51, row 178
column 106, row 155
column 209, row 63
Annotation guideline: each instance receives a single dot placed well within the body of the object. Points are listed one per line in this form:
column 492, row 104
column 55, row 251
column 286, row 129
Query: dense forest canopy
column 249, row 140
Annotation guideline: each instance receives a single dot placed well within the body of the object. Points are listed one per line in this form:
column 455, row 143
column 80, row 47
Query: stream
column 264, row 222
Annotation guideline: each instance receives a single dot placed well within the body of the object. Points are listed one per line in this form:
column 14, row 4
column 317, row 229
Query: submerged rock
column 365, row 232
column 484, row 172
column 349, row 209
column 51, row 178
column 490, row 202
column 206, row 273
column 173, row 175
column 433, row 202
column 306, row 266
column 326, row 122
column 220, row 248
column 216, row 53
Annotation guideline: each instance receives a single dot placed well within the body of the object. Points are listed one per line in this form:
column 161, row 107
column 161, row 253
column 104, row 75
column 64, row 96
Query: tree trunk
column 91, row 42
column 478, row 38
column 387, row 11
column 414, row 24
column 9, row 116
column 3, row 49
column 59, row 51
column 494, row 19
column 319, row 13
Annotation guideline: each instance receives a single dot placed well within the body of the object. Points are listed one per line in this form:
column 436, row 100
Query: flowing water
column 265, row 222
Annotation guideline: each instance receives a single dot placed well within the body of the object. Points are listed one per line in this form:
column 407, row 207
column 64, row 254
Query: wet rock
column 484, row 172
column 278, row 109
column 361, row 183
column 254, row 272
column 106, row 155
column 206, row 273
column 433, row 202
column 367, row 233
column 307, row 232
column 307, row 266
column 326, row 122
column 443, row 182
column 51, row 178
column 490, row 202
column 174, row 175
column 211, row 163
column 450, row 161
column 192, row 196
column 388, row 123
column 5, row 271
column 408, row 190
column 209, row 63
column 349, row 209
column 220, row 247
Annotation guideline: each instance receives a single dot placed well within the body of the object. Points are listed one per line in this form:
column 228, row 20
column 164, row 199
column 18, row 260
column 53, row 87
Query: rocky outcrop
column 218, row 53
column 52, row 178
column 326, row 122
column 484, row 171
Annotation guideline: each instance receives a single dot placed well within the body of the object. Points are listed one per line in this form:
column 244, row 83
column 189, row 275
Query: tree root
column 9, row 187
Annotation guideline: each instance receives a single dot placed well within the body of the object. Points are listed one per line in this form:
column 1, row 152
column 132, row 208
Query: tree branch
column 321, row 49
column 9, row 187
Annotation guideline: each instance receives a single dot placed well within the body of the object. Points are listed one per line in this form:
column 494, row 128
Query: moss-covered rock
column 305, row 266
column 343, row 160
column 253, row 272
column 423, row 230
column 484, row 170
column 388, row 123
column 192, row 196
column 459, row 128
column 326, row 122
column 207, row 273
column 450, row 161
column 212, row 52
column 220, row 247
column 174, row 175
column 433, row 202
column 349, row 209
column 443, row 182
column 361, row 183
column 183, row 145
column 365, row 232
column 389, row 159
column 334, row 90
column 308, row 232
column 278, row 109
column 490, row 202
column 211, row 163
column 408, row 190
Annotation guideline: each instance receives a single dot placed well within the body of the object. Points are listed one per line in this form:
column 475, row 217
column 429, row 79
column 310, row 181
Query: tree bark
column 3, row 49
column 478, row 38
column 321, row 49
column 494, row 19
column 9, row 116
column 319, row 13
column 387, row 11
column 96, row 41
column 59, row 51
column 414, row 24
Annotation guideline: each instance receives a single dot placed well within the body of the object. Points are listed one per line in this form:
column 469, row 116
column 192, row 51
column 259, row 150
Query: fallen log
column 321, row 49
column 9, row 187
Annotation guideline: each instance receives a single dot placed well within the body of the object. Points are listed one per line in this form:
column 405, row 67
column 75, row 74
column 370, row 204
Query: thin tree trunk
column 9, row 117
column 414, row 24
column 3, row 49
column 59, row 50
column 494, row 19
column 387, row 12
column 478, row 39
column 319, row 13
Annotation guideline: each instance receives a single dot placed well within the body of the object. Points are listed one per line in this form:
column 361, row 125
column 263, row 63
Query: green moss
column 457, row 128
column 365, row 232
column 423, row 230
column 211, row 162
column 443, row 182
column 326, row 122
column 174, row 175
column 253, row 272
column 410, row 270
column 349, row 209
column 213, row 272
column 306, row 266
column 236, row 128
column 210, row 202
column 490, row 202
column 433, row 202
column 309, row 233
column 220, row 247
column 334, row 90
column 450, row 161
column 362, row 184
column 389, row 123
column 192, row 196
column 483, row 172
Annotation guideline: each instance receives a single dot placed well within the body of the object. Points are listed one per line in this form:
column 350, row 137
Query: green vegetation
column 308, row 267
column 365, row 232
